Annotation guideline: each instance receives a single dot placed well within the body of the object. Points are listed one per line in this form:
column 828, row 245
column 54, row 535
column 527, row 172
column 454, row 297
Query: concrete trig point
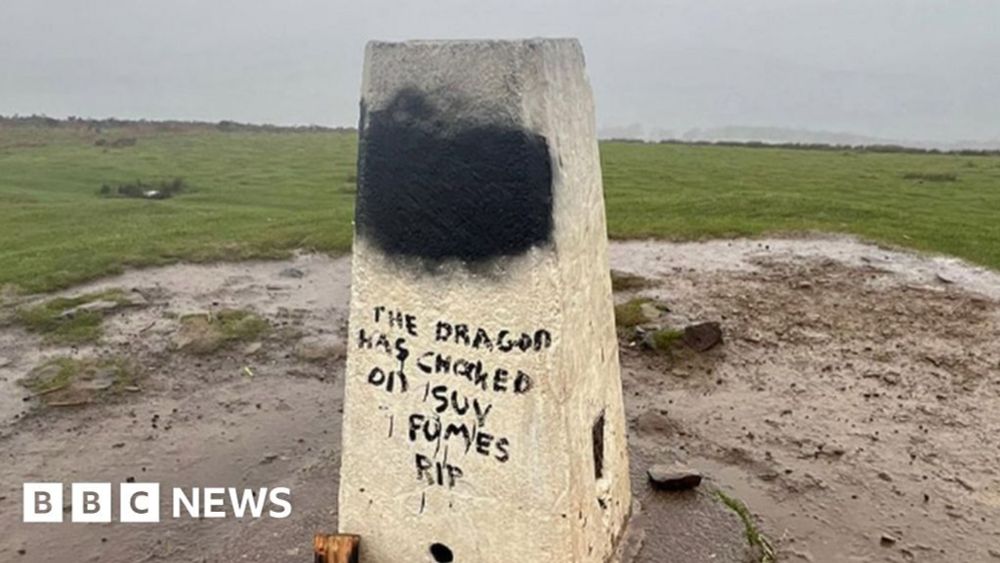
column 483, row 419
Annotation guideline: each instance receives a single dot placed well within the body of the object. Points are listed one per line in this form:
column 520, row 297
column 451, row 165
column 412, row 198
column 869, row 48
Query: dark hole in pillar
column 597, row 435
column 442, row 553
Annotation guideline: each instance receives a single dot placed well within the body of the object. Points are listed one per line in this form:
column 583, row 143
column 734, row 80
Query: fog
column 914, row 70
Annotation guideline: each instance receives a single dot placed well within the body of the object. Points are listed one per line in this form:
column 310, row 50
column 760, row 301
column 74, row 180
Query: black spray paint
column 435, row 188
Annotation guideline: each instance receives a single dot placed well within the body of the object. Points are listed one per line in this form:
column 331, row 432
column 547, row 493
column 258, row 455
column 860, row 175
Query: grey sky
column 902, row 69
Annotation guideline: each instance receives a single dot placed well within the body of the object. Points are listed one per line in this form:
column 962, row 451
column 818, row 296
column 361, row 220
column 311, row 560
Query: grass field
column 264, row 193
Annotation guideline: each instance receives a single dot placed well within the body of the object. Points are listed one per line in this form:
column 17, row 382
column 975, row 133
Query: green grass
column 52, row 320
column 756, row 539
column 93, row 376
column 630, row 314
column 264, row 193
column 206, row 333
column 664, row 339
column 238, row 325
column 253, row 194
column 693, row 192
column 931, row 176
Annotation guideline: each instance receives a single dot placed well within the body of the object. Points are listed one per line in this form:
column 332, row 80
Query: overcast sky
column 901, row 69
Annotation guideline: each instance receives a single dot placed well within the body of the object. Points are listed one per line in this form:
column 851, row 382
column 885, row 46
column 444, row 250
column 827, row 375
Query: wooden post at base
column 336, row 548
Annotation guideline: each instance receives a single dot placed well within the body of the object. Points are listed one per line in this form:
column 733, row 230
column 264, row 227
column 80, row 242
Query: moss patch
column 207, row 333
column 68, row 381
column 71, row 320
column 624, row 281
column 630, row 313
column 756, row 539
column 664, row 339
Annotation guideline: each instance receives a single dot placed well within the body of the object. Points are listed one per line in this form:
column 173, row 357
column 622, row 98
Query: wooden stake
column 336, row 548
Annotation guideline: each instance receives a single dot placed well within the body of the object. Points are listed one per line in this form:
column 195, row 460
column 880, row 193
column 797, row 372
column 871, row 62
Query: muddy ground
column 854, row 406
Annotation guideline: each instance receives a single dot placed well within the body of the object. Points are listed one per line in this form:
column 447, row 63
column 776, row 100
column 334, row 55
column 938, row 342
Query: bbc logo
column 140, row 502
column 92, row 502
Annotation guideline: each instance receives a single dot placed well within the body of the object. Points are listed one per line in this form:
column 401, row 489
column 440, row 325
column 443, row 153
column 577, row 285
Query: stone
column 483, row 415
column 317, row 349
column 294, row 273
column 888, row 539
column 702, row 337
column 673, row 477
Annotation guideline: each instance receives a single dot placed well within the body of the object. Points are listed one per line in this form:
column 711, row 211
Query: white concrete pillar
column 483, row 419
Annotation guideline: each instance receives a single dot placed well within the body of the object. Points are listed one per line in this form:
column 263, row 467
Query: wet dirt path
column 856, row 396
column 854, row 405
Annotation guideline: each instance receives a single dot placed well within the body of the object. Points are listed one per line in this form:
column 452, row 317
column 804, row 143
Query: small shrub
column 117, row 143
column 124, row 142
column 163, row 189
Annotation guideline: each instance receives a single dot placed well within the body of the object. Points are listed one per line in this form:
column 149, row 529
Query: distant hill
column 805, row 136
column 781, row 135
column 153, row 125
